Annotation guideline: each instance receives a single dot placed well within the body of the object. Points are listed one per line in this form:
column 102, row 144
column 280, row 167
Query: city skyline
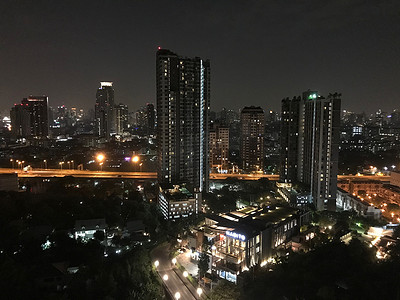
column 259, row 62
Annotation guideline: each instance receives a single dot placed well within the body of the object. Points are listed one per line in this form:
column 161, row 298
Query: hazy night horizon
column 260, row 53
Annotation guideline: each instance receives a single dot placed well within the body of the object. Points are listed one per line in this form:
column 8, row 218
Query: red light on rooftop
column 159, row 48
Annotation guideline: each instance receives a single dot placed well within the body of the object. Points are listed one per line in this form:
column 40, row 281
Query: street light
column 61, row 164
column 100, row 158
column 69, row 165
column 185, row 274
column 199, row 291
column 174, row 260
column 12, row 163
column 45, row 163
column 165, row 277
column 135, row 160
column 72, row 162
column 156, row 263
column 177, row 295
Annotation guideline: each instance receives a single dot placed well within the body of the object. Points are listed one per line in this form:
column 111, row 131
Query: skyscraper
column 252, row 121
column 219, row 147
column 105, row 119
column 310, row 145
column 121, row 117
column 151, row 118
column 183, row 102
column 33, row 111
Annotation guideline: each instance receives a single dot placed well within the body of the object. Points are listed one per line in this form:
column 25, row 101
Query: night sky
column 260, row 51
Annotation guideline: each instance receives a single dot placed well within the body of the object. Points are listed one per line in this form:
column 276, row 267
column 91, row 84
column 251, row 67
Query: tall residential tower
column 310, row 145
column 183, row 102
column 105, row 118
column 252, row 121
column 30, row 118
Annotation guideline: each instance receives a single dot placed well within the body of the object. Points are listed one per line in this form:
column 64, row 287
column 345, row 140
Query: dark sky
column 260, row 51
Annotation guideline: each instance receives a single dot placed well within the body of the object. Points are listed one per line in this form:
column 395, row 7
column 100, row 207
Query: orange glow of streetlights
column 100, row 157
column 135, row 159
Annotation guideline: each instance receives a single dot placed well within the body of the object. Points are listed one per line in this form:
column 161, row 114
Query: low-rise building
column 250, row 236
column 348, row 201
column 177, row 201
column 86, row 229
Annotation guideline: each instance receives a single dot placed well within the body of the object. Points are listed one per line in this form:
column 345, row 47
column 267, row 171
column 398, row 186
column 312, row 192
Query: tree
column 204, row 261
column 225, row 291
column 99, row 235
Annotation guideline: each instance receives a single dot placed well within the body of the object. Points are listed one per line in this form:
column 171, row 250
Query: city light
column 100, row 157
column 177, row 295
column 174, row 261
column 165, row 277
column 185, row 274
column 199, row 291
column 135, row 159
column 156, row 263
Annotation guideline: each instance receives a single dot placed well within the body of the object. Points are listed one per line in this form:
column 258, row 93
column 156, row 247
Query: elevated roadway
column 46, row 173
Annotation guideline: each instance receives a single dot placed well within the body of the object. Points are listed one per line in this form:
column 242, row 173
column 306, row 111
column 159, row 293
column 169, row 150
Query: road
column 80, row 173
column 174, row 283
column 153, row 175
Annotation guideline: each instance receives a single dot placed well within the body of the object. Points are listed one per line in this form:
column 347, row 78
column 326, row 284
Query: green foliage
column 332, row 271
column 203, row 264
column 225, row 290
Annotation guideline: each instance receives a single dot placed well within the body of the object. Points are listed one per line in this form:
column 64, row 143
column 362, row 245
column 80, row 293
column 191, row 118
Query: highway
column 153, row 175
column 80, row 173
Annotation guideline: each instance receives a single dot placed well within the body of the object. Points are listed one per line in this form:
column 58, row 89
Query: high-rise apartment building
column 121, row 117
column 252, row 121
column 310, row 145
column 219, row 147
column 150, row 118
column 30, row 118
column 183, row 101
column 105, row 119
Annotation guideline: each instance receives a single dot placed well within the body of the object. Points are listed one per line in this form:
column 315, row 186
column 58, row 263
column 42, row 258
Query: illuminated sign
column 236, row 236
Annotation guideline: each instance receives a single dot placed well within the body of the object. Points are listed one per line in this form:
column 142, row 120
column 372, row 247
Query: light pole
column 69, row 165
column 72, row 162
column 177, row 295
column 61, row 164
column 45, row 164
column 100, row 158
column 135, row 160
column 12, row 163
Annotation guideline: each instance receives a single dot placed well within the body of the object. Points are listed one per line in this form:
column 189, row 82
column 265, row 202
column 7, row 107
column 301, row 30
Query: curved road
column 174, row 283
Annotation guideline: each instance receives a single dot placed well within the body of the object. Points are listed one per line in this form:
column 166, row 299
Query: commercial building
column 183, row 103
column 30, row 118
column 219, row 147
column 252, row 138
column 250, row 236
column 310, row 145
column 177, row 201
column 121, row 116
column 105, row 118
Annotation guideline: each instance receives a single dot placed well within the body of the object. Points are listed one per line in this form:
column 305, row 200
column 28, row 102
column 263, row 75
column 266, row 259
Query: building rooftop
column 176, row 192
column 251, row 220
